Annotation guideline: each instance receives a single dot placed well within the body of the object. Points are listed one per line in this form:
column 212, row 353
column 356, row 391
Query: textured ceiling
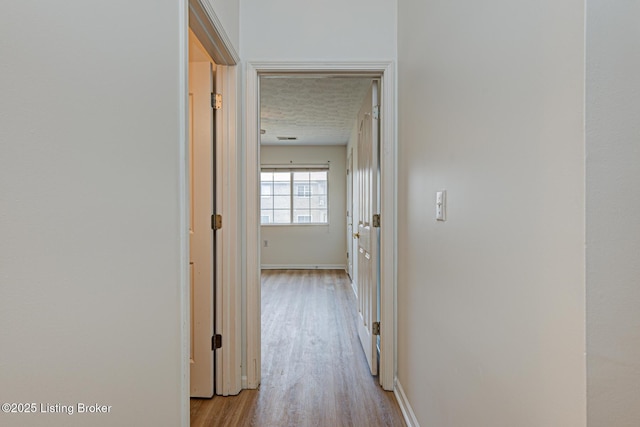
column 318, row 111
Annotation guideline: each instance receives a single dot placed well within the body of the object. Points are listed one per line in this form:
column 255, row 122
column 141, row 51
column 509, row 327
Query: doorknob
column 356, row 235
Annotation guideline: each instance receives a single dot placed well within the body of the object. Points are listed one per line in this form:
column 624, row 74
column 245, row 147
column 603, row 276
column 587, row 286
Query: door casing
column 200, row 16
column 385, row 71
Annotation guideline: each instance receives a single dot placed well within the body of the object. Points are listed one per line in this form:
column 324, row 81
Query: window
column 303, row 190
column 294, row 196
column 265, row 190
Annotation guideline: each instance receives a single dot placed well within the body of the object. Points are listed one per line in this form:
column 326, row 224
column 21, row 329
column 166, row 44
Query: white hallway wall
column 90, row 260
column 491, row 302
column 333, row 30
column 309, row 245
column 613, row 209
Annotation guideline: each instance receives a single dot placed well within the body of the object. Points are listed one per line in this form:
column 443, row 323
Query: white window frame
column 293, row 192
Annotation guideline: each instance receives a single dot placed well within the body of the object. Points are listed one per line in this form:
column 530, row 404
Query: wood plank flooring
column 314, row 372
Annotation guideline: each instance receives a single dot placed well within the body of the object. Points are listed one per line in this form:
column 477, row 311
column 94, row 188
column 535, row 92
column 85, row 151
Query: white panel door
column 201, row 235
column 367, row 194
column 350, row 215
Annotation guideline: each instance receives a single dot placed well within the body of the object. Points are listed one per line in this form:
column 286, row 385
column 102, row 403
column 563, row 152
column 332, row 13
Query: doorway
column 308, row 124
column 383, row 72
column 214, row 47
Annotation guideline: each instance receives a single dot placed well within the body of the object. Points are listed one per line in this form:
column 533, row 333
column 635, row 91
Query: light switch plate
column 441, row 204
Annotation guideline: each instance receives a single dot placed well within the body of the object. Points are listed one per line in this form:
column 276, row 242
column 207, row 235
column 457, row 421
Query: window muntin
column 294, row 196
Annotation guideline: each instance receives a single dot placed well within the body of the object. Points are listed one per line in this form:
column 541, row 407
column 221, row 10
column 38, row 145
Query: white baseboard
column 245, row 382
column 302, row 266
column 405, row 407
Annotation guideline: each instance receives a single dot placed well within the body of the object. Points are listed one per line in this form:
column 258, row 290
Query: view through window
column 293, row 196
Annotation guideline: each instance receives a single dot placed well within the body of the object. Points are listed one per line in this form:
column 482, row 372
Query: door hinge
column 376, row 220
column 376, row 112
column 375, row 330
column 216, row 222
column 216, row 101
column 216, row 342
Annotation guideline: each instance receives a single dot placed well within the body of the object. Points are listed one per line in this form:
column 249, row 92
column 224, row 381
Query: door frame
column 350, row 266
column 385, row 71
column 202, row 19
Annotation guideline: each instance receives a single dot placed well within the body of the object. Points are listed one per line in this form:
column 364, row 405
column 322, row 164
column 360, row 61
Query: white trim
column 364, row 68
column 252, row 245
column 388, row 256
column 303, row 267
column 207, row 27
column 405, row 407
column 183, row 215
column 295, row 167
column 228, row 294
column 388, row 229
column 296, row 224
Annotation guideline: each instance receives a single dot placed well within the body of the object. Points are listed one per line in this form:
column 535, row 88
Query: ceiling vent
column 287, row 138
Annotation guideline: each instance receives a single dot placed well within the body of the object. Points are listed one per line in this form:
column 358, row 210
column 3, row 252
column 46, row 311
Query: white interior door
column 367, row 199
column 350, row 215
column 201, row 235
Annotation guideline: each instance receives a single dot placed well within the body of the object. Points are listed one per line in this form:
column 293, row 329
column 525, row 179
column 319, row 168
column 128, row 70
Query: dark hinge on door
column 376, row 328
column 376, row 220
column 216, row 342
column 216, row 222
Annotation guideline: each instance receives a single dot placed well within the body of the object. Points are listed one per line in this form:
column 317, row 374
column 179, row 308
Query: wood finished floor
column 314, row 372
